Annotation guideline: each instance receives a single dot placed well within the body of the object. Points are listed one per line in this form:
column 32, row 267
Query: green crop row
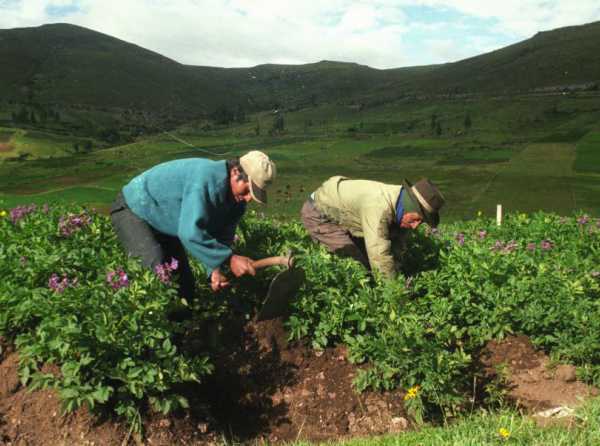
column 463, row 285
column 69, row 297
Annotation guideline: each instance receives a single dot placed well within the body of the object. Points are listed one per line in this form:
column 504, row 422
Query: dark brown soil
column 262, row 390
column 266, row 390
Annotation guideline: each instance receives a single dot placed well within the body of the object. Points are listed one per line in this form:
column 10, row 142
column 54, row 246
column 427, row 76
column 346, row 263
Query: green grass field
column 502, row 428
column 524, row 153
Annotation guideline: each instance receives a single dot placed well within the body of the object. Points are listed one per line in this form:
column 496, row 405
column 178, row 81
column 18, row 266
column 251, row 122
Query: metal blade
column 281, row 294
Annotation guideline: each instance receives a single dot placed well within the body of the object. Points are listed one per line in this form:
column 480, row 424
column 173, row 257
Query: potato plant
column 70, row 297
column 463, row 285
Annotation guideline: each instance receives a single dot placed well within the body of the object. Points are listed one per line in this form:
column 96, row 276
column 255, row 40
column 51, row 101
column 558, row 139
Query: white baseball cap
column 261, row 172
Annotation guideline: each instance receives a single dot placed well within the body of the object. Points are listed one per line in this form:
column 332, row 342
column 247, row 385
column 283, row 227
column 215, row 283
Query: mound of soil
column 262, row 389
column 533, row 382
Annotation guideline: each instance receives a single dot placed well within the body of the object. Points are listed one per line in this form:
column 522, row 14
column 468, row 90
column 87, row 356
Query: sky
column 244, row 33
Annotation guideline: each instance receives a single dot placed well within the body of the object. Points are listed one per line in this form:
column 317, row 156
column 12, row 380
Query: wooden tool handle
column 272, row 261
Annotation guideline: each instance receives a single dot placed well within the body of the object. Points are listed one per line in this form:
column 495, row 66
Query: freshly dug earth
column 262, row 389
column 265, row 389
column 532, row 381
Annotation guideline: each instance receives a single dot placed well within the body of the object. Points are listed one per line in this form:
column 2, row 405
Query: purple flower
column 164, row 270
column 563, row 220
column 45, row 208
column 498, row 246
column 460, row 238
column 546, row 245
column 598, row 223
column 58, row 285
column 531, row 246
column 503, row 248
column 510, row 246
column 20, row 212
column 583, row 220
column 72, row 223
column 482, row 234
column 117, row 279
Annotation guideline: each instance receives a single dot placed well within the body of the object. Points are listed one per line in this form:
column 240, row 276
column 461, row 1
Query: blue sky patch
column 56, row 11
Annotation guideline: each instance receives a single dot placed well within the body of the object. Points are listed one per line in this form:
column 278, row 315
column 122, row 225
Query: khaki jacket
column 366, row 209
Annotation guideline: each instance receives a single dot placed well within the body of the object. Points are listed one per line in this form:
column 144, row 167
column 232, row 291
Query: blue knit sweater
column 189, row 199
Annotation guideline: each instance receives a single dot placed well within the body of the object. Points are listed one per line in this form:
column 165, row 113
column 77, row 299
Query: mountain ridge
column 71, row 64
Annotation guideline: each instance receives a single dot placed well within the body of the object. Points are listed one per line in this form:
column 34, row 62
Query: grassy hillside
column 67, row 64
column 514, row 153
column 559, row 58
column 70, row 64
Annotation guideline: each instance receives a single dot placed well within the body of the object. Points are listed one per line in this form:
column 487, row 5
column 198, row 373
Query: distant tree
column 240, row 114
column 43, row 114
column 22, row 115
column 467, row 122
column 32, row 118
column 223, row 115
column 433, row 122
column 109, row 135
column 87, row 145
column 76, row 147
column 307, row 123
column 13, row 117
column 278, row 123
column 257, row 128
column 438, row 128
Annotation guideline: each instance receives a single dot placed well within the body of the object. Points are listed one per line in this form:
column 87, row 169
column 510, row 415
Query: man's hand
column 241, row 265
column 218, row 281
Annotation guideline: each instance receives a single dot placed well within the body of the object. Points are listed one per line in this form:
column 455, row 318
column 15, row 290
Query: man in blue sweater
column 191, row 205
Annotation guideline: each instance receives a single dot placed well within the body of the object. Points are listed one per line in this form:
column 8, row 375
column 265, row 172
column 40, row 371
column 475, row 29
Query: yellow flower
column 2, row 213
column 412, row 393
column 504, row 433
column 479, row 213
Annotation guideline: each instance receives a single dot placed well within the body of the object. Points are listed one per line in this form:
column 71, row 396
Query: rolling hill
column 67, row 64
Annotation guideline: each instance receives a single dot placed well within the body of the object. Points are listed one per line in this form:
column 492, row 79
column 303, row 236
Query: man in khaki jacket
column 359, row 218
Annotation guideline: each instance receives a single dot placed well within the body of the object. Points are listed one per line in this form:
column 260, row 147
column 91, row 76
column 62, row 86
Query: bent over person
column 191, row 205
column 363, row 219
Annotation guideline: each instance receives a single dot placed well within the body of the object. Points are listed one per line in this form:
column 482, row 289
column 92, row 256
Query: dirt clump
column 533, row 382
column 263, row 389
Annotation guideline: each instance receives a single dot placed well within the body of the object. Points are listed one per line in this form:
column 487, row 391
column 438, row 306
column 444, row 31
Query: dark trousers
column 334, row 237
column 139, row 239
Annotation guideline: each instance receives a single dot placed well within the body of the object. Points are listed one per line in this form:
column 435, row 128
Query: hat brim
column 431, row 218
column 257, row 193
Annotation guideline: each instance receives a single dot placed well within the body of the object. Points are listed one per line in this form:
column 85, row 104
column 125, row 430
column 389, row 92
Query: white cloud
column 231, row 33
column 525, row 17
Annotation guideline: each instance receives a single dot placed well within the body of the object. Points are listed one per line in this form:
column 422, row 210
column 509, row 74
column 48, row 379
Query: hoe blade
column 281, row 294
